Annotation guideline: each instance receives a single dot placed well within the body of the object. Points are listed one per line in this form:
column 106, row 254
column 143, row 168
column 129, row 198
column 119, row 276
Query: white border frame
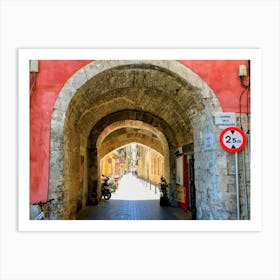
column 255, row 55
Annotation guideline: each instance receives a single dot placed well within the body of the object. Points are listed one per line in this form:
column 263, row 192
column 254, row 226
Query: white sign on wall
column 179, row 171
column 208, row 141
column 225, row 119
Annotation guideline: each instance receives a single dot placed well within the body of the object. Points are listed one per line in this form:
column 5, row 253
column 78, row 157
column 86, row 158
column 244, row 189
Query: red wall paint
column 220, row 75
column 50, row 80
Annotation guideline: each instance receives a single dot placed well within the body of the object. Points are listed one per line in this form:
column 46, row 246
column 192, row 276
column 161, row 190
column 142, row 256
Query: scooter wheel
column 107, row 196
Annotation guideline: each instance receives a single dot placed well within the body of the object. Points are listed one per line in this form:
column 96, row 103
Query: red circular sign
column 233, row 139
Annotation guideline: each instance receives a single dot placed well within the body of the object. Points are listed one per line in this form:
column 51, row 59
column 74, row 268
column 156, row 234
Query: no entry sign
column 233, row 139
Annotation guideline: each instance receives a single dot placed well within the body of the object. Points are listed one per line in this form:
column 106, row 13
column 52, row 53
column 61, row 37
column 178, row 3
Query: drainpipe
column 249, row 149
column 245, row 187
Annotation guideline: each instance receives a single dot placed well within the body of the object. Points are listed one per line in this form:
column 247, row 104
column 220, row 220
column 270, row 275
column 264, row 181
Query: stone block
column 65, row 96
column 56, row 145
column 79, row 79
column 218, row 213
column 56, row 159
column 57, row 125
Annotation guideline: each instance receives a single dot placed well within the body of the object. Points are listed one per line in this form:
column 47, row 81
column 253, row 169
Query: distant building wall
column 150, row 165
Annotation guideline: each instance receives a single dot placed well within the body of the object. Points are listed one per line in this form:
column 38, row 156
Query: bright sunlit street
column 134, row 199
column 133, row 188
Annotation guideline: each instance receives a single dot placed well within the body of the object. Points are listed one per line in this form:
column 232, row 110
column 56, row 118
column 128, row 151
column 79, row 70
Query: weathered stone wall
column 244, row 180
column 208, row 193
column 84, row 186
column 215, row 177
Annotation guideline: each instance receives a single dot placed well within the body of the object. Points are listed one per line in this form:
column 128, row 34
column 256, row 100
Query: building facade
column 82, row 110
column 150, row 165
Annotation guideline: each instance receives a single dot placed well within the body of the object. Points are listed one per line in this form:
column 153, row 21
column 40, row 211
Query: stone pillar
column 93, row 191
column 172, row 184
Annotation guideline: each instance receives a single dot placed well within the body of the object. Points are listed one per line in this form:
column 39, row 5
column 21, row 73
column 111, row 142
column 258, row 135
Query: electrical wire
column 240, row 97
column 246, row 87
column 33, row 82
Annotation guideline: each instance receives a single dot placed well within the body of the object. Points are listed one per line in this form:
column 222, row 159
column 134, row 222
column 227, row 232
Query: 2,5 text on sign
column 233, row 139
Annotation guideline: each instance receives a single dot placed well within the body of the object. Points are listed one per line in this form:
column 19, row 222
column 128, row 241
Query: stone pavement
column 133, row 200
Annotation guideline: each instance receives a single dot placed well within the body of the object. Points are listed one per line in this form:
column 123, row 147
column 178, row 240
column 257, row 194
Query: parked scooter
column 164, row 200
column 105, row 189
column 110, row 183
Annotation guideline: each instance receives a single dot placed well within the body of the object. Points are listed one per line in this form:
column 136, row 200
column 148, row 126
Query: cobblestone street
column 133, row 200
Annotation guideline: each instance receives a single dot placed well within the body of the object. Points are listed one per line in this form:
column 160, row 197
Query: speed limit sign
column 233, row 139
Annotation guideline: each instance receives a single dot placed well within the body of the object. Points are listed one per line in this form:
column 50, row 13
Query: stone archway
column 121, row 133
column 140, row 127
column 163, row 94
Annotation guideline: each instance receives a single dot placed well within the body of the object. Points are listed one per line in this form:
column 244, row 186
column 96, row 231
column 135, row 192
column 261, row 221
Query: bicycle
column 41, row 215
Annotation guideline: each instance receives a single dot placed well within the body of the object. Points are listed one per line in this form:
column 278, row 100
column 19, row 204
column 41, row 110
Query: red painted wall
column 50, row 80
column 220, row 75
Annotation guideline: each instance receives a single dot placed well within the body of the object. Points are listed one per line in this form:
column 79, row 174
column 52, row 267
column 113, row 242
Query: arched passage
column 140, row 159
column 127, row 135
column 121, row 133
column 163, row 94
column 148, row 131
column 124, row 132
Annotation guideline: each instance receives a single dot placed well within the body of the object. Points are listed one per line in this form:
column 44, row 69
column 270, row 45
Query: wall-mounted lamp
column 243, row 75
column 242, row 71
column 34, row 66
